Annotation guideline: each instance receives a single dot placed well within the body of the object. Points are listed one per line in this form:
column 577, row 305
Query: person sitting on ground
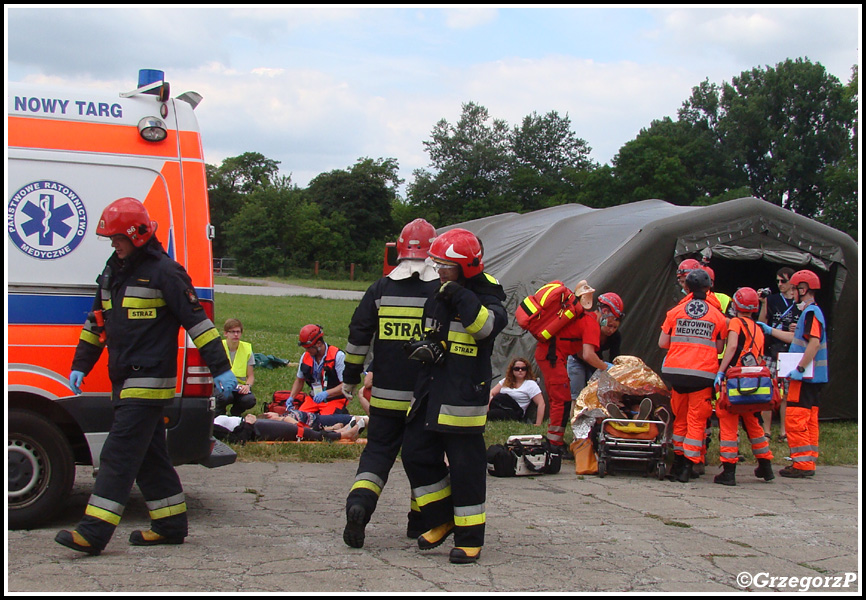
column 321, row 367
column 512, row 397
column 240, row 356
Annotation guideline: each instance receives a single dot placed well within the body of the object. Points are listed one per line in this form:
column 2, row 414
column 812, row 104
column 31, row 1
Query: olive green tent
column 634, row 250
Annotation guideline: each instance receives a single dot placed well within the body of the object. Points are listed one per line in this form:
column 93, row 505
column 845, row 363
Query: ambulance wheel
column 602, row 467
column 661, row 470
column 41, row 469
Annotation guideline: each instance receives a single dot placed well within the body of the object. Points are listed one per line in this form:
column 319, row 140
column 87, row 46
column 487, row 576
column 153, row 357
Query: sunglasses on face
column 519, row 369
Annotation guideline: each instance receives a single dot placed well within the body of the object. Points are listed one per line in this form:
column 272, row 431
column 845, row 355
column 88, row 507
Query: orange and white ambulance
column 71, row 153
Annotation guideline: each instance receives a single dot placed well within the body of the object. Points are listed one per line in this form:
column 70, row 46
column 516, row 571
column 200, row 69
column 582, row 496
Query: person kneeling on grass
column 273, row 427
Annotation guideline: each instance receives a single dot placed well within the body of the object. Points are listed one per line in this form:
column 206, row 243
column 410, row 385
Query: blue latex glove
column 320, row 397
column 796, row 375
column 225, row 384
column 76, row 378
column 609, row 365
column 718, row 382
column 765, row 328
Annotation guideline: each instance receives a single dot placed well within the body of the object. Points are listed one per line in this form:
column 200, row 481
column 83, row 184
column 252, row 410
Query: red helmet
column 689, row 264
column 459, row 247
column 310, row 335
column 746, row 300
column 614, row 303
column 415, row 240
column 808, row 277
column 127, row 216
column 710, row 272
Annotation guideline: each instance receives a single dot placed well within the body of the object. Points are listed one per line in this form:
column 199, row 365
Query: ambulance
column 71, row 153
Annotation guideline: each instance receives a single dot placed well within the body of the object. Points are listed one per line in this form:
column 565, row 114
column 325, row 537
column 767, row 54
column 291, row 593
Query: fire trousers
column 559, row 397
column 384, row 438
column 135, row 452
column 801, row 423
column 454, row 492
column 691, row 412
column 729, row 434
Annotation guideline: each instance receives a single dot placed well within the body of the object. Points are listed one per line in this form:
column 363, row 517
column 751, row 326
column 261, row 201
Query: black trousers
column 384, row 439
column 240, row 404
column 454, row 492
column 135, row 452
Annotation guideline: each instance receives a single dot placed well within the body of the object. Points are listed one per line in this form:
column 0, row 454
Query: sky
column 319, row 87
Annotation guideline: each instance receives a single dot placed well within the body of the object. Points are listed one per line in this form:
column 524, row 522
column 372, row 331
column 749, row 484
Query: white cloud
column 469, row 17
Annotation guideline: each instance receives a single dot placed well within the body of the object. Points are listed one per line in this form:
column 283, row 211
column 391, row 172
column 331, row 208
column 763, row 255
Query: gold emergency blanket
column 629, row 376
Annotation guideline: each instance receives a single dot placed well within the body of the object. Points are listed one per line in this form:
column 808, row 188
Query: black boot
column 356, row 522
column 765, row 469
column 728, row 476
column 684, row 471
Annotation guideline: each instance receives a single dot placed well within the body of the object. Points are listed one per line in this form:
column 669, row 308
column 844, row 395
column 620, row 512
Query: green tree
column 229, row 185
column 786, row 127
column 360, row 200
column 472, row 163
column 546, row 150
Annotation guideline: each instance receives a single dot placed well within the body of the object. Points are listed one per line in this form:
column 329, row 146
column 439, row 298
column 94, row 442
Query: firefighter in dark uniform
column 144, row 297
column 389, row 315
column 449, row 410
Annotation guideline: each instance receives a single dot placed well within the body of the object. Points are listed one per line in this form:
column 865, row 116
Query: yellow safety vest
column 242, row 359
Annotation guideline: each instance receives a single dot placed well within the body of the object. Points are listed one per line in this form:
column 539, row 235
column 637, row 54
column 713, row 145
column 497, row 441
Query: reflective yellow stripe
column 106, row 304
column 168, row 511
column 433, row 496
column 546, row 334
column 90, row 338
column 142, row 302
column 102, row 514
column 458, row 421
column 355, row 359
column 461, row 338
column 479, row 321
column 544, row 296
column 367, row 485
column 470, row 520
column 401, row 311
column 207, row 337
column 401, row 405
column 148, row 393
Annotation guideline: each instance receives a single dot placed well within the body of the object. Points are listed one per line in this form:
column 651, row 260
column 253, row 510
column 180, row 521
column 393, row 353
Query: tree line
column 786, row 134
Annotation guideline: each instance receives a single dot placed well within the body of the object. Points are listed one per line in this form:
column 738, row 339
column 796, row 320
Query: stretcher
column 632, row 444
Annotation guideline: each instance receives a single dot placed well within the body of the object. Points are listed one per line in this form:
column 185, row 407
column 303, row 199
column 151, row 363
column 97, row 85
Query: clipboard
column 788, row 361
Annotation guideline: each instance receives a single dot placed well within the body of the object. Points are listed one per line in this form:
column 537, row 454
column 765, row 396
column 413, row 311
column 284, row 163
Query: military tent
column 634, row 250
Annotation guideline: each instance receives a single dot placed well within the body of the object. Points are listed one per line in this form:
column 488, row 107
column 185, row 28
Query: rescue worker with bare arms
column 744, row 347
column 144, row 297
column 388, row 316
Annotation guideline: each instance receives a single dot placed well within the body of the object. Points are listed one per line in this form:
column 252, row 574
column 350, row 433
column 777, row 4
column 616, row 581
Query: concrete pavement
column 277, row 527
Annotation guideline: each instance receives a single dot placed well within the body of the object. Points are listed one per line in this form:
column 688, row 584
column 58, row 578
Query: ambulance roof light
column 150, row 81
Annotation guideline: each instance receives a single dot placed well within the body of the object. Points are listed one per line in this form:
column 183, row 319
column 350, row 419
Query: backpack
column 749, row 390
column 547, row 311
column 522, row 455
column 280, row 402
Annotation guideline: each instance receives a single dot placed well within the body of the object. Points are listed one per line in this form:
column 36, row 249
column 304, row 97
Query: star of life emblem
column 696, row 309
column 46, row 220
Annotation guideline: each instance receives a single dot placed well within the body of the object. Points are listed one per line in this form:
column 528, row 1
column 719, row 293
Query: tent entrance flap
column 782, row 254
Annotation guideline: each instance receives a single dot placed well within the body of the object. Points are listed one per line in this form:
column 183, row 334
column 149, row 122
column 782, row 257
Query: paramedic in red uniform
column 581, row 336
column 744, row 347
column 449, row 408
column 144, row 297
column 389, row 315
column 810, row 340
column 693, row 333
column 321, row 367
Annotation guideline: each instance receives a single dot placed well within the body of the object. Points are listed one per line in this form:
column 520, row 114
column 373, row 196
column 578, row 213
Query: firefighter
column 321, row 367
column 449, row 408
column 388, row 316
column 581, row 338
column 144, row 297
column 693, row 333
column 744, row 347
column 810, row 340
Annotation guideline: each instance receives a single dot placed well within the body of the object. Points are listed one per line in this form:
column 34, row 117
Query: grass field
column 271, row 325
